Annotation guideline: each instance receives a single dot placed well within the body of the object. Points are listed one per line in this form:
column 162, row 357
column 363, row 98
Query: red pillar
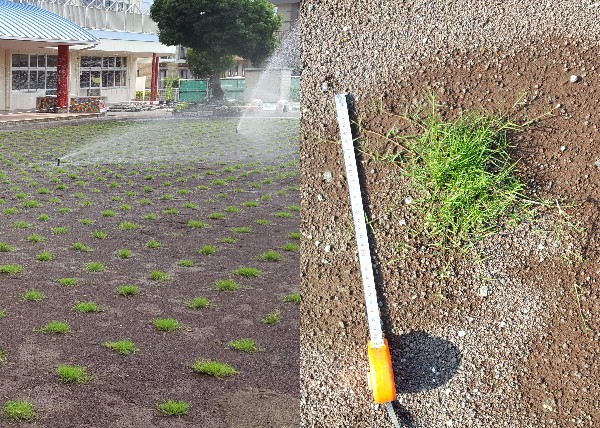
column 154, row 79
column 62, row 84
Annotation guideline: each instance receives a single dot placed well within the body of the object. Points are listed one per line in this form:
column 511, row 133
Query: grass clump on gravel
column 11, row 269
column 86, row 307
column 207, row 250
column 55, row 327
column 68, row 282
column 128, row 290
column 123, row 347
column 247, row 272
column 226, row 285
column 292, row 298
column 244, row 345
column 198, row 303
column 173, row 408
column 272, row 318
column 73, row 374
column 463, row 175
column 213, row 368
column 270, row 256
column 166, row 324
column 14, row 410
column 32, row 296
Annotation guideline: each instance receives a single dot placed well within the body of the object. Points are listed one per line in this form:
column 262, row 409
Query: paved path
column 18, row 118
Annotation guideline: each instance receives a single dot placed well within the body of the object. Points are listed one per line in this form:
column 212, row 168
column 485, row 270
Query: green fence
column 192, row 90
column 295, row 89
column 234, row 88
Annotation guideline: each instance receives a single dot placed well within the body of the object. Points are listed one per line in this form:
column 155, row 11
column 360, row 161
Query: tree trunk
column 215, row 85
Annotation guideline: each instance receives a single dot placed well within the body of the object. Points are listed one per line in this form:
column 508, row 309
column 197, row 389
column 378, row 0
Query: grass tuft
column 166, row 324
column 198, row 303
column 173, row 408
column 244, row 345
column 128, row 290
column 226, row 285
column 86, row 307
column 272, row 318
column 247, row 272
column 213, row 368
column 14, row 410
column 55, row 327
column 73, row 374
column 123, row 347
column 11, row 269
column 463, row 175
column 270, row 256
column 292, row 298
column 207, row 250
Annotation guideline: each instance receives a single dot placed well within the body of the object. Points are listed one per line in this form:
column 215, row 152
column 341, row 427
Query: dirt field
column 174, row 208
column 507, row 334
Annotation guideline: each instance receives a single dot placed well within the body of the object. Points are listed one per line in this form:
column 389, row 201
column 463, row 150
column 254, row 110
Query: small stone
column 324, row 86
column 327, row 248
column 402, row 222
column 320, row 197
column 327, row 176
column 449, row 423
column 462, row 333
column 574, row 78
column 541, row 246
column 597, row 163
column 563, row 148
column 408, row 200
column 341, row 324
column 483, row 291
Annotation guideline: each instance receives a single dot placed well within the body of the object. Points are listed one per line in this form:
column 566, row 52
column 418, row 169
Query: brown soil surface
column 522, row 354
column 124, row 390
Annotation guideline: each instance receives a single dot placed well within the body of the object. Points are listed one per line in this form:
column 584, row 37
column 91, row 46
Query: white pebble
column 483, row 291
column 563, row 148
column 574, row 78
column 462, row 333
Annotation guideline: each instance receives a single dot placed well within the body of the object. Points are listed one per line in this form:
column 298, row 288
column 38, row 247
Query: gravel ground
column 506, row 347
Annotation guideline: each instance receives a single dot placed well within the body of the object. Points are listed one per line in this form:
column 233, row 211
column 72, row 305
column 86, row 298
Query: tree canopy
column 219, row 28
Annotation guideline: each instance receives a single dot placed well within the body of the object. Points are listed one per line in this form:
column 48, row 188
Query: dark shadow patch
column 423, row 362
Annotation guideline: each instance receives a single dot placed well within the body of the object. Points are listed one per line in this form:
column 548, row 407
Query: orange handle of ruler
column 381, row 374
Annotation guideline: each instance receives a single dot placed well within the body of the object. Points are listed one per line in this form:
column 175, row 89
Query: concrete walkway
column 19, row 118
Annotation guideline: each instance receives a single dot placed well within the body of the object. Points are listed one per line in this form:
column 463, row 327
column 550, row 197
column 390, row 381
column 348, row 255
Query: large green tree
column 201, row 67
column 219, row 28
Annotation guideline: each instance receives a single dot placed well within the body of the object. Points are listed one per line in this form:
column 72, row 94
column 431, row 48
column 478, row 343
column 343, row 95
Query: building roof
column 29, row 23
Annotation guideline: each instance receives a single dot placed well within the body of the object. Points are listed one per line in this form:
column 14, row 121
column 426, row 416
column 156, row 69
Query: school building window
column 102, row 72
column 34, row 72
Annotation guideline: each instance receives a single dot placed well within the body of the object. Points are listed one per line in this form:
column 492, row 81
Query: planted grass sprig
column 245, row 345
column 214, row 368
column 173, row 408
column 55, row 327
column 73, row 374
column 15, row 410
column 463, row 175
column 123, row 347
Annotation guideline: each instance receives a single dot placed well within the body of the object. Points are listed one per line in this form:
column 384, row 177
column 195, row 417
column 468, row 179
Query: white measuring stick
column 360, row 228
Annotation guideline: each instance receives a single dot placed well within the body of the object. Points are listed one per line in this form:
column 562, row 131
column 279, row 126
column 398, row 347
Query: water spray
column 381, row 373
